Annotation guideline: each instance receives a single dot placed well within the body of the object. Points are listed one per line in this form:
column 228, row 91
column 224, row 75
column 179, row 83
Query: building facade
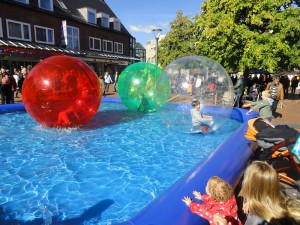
column 32, row 30
column 151, row 49
column 140, row 52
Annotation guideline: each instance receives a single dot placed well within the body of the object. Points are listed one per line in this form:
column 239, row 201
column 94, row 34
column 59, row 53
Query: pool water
column 101, row 173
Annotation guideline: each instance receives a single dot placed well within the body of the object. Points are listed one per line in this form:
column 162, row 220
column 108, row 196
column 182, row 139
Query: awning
column 44, row 51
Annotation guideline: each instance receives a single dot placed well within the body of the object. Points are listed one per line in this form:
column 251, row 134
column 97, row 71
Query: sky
column 140, row 16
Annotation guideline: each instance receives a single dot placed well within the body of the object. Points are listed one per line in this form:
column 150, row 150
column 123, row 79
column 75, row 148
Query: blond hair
column 261, row 189
column 219, row 189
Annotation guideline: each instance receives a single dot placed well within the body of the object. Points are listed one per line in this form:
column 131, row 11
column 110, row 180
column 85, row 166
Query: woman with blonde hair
column 264, row 200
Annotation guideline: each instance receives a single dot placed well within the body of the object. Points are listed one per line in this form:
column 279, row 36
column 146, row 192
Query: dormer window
column 89, row 14
column 116, row 23
column 23, row 1
column 104, row 19
column 46, row 4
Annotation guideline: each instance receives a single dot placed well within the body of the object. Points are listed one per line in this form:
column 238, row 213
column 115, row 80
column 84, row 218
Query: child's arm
column 197, row 195
column 246, row 105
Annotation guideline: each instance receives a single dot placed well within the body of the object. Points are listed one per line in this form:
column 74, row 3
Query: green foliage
column 178, row 42
column 239, row 34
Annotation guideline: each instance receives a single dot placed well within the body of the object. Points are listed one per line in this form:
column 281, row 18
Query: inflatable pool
column 227, row 161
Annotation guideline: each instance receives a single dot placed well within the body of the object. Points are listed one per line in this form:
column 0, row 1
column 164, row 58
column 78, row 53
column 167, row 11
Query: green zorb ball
column 136, row 86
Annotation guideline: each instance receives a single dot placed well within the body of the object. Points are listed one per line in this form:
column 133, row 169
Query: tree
column 244, row 34
column 179, row 42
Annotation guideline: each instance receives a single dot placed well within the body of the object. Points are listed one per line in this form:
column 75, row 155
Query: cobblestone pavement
column 290, row 113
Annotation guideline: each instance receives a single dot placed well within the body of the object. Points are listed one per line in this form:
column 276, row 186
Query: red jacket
column 210, row 207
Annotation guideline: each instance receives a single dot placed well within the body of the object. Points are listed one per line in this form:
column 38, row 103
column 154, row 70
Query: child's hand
column 219, row 219
column 187, row 200
column 197, row 195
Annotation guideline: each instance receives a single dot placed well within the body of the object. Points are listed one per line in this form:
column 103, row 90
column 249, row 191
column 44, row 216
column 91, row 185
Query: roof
column 43, row 47
column 69, row 9
column 138, row 45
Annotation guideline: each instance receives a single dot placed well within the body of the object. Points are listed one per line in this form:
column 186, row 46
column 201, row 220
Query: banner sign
column 64, row 33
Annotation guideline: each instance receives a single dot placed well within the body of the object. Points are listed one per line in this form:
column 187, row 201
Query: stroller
column 274, row 147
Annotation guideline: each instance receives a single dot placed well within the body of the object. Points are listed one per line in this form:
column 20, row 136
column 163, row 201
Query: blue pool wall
column 227, row 161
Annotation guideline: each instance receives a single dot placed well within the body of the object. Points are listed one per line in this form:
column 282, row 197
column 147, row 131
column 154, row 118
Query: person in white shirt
column 201, row 123
column 16, row 76
column 107, row 82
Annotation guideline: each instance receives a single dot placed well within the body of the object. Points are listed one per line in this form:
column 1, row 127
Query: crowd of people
column 11, row 83
column 264, row 94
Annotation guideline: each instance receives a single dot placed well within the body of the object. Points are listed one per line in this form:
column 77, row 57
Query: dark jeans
column 238, row 100
column 18, row 91
column 106, row 87
column 12, row 97
column 274, row 108
column 5, row 94
column 116, row 86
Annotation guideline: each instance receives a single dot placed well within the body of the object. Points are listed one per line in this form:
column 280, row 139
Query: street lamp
column 157, row 33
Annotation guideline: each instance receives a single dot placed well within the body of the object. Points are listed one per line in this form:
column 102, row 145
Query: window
column 105, row 22
column 107, row 46
column 46, row 4
column 1, row 32
column 91, row 15
column 95, row 43
column 44, row 35
column 18, row 30
column 73, row 38
column 23, row 1
column 118, row 48
column 104, row 19
column 116, row 23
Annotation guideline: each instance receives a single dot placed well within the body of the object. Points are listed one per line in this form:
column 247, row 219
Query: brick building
column 31, row 30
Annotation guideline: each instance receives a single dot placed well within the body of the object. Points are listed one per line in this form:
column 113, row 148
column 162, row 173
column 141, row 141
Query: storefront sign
column 7, row 51
column 124, row 63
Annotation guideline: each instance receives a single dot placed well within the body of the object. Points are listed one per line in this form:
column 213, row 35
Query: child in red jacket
column 219, row 199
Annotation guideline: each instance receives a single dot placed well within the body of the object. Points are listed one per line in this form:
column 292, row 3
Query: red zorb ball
column 61, row 91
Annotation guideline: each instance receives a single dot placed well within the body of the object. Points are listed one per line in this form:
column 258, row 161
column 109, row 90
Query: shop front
column 17, row 54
